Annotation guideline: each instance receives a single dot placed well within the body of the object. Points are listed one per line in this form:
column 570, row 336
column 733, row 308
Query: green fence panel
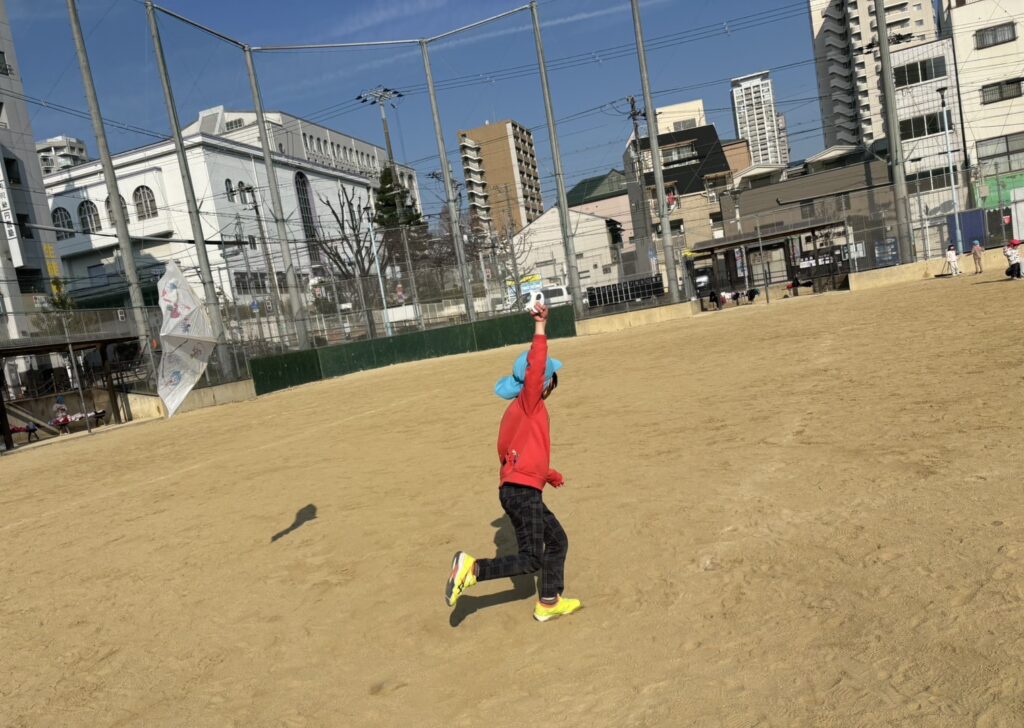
column 410, row 347
column 361, row 355
column 384, row 351
column 449, row 340
column 272, row 373
column 561, row 322
column 335, row 361
column 489, row 333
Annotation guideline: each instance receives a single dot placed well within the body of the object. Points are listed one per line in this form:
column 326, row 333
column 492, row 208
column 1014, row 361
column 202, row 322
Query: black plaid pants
column 542, row 542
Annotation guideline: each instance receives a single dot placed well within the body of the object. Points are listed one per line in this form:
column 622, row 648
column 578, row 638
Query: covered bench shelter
column 809, row 250
column 43, row 343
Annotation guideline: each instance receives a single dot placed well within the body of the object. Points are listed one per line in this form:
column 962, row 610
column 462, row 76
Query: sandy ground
column 808, row 514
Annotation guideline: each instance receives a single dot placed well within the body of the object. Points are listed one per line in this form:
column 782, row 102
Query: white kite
column 186, row 338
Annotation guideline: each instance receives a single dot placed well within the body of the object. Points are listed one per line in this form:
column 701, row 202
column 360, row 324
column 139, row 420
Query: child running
column 524, row 449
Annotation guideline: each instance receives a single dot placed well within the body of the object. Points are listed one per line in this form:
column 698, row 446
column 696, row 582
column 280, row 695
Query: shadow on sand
column 523, row 587
column 303, row 515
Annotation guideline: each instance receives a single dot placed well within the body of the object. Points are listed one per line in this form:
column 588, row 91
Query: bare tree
column 515, row 252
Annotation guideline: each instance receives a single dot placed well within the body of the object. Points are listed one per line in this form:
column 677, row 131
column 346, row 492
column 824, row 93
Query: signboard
column 526, row 285
column 8, row 220
column 52, row 260
column 39, row 301
column 741, row 263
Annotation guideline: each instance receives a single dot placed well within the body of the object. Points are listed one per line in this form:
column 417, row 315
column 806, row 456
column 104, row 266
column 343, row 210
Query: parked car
column 553, row 296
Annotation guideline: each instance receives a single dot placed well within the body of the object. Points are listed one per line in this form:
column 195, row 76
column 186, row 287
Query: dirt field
column 807, row 514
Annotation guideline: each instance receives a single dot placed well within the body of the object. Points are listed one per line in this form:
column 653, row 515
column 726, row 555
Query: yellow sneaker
column 543, row 612
column 461, row 579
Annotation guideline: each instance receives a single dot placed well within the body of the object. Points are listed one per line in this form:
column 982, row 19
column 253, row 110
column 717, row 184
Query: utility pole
column 952, row 174
column 634, row 115
column 556, row 157
column 659, row 179
column 453, row 212
column 376, row 264
column 271, row 272
column 892, row 133
column 205, row 272
column 412, row 279
column 124, row 241
column 381, row 96
column 291, row 280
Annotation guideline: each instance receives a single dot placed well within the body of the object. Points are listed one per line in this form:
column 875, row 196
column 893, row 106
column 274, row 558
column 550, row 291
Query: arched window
column 229, row 190
column 88, row 217
column 110, row 211
column 243, row 195
column 302, row 191
column 62, row 220
column 145, row 203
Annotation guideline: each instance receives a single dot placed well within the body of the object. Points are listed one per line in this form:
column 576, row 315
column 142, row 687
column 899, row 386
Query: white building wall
column 845, row 35
column 929, row 153
column 225, row 220
column 543, row 239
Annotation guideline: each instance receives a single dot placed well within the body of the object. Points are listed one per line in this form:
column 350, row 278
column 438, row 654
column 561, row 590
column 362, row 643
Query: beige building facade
column 499, row 164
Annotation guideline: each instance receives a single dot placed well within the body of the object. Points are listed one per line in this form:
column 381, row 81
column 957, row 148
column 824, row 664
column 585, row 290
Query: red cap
column 1014, row 243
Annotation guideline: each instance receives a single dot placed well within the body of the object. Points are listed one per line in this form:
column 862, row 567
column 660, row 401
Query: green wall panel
column 361, row 355
column 289, row 370
column 449, row 340
column 335, row 361
column 410, row 347
column 272, row 373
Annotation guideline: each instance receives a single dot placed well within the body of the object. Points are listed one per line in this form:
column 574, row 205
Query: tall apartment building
column 757, row 121
column 989, row 39
column 499, row 164
column 27, row 256
column 845, row 35
column 61, row 152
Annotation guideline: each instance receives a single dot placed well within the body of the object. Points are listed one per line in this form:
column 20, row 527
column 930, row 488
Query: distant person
column 1012, row 253
column 524, row 449
column 60, row 409
column 953, row 260
column 976, row 253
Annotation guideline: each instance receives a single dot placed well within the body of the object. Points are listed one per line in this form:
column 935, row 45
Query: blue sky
column 695, row 46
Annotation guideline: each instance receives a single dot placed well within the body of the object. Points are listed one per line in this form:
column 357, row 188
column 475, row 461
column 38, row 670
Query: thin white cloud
column 384, row 13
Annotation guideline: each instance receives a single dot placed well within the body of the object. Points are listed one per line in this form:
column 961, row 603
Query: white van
column 553, row 296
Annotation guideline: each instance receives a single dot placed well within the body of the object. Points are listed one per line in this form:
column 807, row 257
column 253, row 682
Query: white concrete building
column 845, row 35
column 230, row 182
column 757, row 121
column 542, row 251
column 679, row 117
column 990, row 51
column 919, row 72
column 61, row 152
column 27, row 255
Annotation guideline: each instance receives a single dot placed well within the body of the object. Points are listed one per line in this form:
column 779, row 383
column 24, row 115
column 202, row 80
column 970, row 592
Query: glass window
column 992, row 147
column 145, row 203
column 229, row 190
column 304, row 194
column 110, row 211
column 88, row 217
column 913, row 73
column 62, row 219
column 996, row 35
column 243, row 193
column 24, row 226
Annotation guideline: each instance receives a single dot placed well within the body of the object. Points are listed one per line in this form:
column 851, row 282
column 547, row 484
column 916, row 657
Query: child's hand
column 555, row 478
column 539, row 313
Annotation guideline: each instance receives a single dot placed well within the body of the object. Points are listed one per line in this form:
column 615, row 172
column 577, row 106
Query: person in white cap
column 953, row 260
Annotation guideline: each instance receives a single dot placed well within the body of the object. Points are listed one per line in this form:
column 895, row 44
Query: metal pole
column 380, row 278
column 186, row 178
column 556, row 156
column 453, row 212
column 924, row 225
column 278, row 208
column 387, row 140
column 764, row 269
column 5, row 425
column 952, row 175
column 273, row 286
column 124, row 240
column 892, row 132
column 412, row 280
column 78, row 377
column 659, row 180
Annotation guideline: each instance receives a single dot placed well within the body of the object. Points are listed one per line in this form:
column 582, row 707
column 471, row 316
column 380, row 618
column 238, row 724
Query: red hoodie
column 524, row 438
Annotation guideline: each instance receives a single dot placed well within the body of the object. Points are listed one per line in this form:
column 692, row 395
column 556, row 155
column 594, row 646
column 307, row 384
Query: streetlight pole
column 952, row 173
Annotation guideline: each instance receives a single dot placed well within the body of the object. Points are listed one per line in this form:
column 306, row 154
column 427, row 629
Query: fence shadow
column 523, row 587
column 303, row 515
